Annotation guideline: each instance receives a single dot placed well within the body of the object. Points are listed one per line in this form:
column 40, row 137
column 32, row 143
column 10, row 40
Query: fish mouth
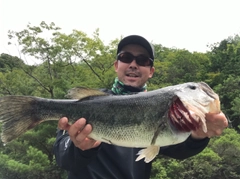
column 181, row 118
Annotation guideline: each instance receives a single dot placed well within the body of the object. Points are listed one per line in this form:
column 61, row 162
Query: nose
column 133, row 64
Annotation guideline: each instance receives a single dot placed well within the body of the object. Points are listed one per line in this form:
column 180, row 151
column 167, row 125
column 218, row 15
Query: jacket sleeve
column 186, row 149
column 70, row 157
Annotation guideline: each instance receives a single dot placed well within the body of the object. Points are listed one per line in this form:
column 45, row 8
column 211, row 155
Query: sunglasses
column 141, row 60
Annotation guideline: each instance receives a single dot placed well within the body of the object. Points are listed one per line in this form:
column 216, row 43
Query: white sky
column 184, row 24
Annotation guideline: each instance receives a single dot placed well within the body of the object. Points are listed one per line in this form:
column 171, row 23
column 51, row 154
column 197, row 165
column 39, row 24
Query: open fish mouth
column 181, row 118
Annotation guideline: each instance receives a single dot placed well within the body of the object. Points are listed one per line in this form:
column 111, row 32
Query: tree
column 228, row 148
column 8, row 62
column 179, row 66
column 60, row 56
column 228, row 92
column 225, row 58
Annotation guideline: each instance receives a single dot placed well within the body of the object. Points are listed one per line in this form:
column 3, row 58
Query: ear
column 152, row 69
column 116, row 65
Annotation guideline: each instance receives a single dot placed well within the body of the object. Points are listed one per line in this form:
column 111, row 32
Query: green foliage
column 180, row 66
column 159, row 170
column 30, row 156
column 15, row 82
column 219, row 160
column 8, row 63
column 204, row 165
column 229, row 91
column 34, row 165
column 225, row 57
column 236, row 108
column 228, row 148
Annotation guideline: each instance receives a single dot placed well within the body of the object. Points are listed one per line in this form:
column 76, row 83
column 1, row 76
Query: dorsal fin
column 83, row 92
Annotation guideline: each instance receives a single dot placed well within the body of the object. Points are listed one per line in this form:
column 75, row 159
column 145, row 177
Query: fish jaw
column 191, row 106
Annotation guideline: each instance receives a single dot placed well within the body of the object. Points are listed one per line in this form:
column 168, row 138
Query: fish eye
column 192, row 87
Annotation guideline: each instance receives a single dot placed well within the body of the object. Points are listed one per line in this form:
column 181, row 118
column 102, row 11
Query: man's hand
column 216, row 123
column 78, row 133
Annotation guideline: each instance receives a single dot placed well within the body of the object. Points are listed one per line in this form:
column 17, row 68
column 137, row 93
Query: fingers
column 76, row 127
column 83, row 141
column 63, row 124
column 216, row 123
column 82, row 134
column 79, row 132
column 219, row 119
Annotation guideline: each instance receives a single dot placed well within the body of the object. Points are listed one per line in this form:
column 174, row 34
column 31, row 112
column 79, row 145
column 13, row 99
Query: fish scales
column 102, row 113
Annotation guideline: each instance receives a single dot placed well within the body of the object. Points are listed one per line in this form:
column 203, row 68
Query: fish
column 144, row 120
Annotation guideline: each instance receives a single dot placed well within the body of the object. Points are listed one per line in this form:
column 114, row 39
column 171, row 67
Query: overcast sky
column 184, row 24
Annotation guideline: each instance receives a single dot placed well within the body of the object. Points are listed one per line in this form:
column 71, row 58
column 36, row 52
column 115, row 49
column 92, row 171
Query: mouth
column 132, row 75
column 181, row 118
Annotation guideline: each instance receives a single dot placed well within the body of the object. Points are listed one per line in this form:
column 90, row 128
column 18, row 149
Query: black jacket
column 114, row 162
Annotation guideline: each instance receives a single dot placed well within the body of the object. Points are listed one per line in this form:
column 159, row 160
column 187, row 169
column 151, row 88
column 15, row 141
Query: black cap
column 136, row 39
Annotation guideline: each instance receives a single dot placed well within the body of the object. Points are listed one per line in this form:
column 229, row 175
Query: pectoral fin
column 148, row 153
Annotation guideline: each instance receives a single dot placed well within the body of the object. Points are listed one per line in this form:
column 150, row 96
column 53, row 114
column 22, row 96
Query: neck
column 121, row 89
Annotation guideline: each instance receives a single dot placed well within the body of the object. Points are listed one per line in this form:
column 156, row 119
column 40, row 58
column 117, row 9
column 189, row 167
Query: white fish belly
column 174, row 138
column 132, row 137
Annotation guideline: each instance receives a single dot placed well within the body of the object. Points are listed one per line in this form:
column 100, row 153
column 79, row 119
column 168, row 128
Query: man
column 85, row 158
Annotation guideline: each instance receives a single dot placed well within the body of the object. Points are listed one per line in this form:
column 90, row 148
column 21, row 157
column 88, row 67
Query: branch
column 39, row 82
column 88, row 65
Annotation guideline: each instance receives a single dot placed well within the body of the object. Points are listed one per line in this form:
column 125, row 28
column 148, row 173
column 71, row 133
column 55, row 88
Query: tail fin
column 17, row 115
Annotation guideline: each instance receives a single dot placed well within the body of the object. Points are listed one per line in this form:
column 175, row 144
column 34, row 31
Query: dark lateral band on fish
column 157, row 132
column 146, row 120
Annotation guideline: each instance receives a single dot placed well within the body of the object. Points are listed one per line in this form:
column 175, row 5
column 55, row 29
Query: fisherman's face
column 133, row 74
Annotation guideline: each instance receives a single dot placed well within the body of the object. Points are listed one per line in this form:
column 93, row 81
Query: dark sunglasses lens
column 143, row 60
column 126, row 57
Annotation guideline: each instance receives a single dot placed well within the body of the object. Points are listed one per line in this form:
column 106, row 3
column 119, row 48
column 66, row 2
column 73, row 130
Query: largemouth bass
column 146, row 120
